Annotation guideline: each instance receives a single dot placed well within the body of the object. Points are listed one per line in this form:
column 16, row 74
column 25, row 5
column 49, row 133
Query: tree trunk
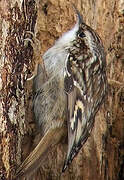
column 102, row 156
column 17, row 18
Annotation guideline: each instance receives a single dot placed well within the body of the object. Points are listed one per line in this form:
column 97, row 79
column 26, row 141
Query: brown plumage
column 75, row 87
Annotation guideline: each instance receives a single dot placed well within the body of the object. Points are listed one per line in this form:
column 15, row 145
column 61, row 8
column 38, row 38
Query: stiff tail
column 38, row 155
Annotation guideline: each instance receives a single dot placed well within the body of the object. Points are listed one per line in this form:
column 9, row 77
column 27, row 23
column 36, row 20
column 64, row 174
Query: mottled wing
column 85, row 81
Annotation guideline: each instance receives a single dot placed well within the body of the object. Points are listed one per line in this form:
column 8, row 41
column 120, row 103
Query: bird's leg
column 35, row 43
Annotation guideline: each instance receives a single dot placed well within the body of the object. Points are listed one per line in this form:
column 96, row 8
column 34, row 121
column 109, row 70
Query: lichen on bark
column 17, row 18
column 102, row 157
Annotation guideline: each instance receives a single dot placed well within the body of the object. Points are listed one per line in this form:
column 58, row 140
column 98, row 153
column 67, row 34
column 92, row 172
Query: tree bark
column 102, row 156
column 17, row 18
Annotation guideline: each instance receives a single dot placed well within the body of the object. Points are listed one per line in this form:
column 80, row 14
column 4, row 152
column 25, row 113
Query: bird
column 71, row 85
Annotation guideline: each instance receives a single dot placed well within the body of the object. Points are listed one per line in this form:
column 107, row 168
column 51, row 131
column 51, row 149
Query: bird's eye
column 81, row 35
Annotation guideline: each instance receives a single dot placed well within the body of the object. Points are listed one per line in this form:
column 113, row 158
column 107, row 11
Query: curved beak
column 79, row 17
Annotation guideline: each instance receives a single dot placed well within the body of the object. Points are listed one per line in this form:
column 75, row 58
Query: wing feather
column 84, row 86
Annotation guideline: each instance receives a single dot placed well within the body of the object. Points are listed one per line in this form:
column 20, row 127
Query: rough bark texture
column 102, row 157
column 16, row 19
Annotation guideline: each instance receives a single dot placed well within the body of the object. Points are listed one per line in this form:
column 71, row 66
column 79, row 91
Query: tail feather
column 39, row 154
